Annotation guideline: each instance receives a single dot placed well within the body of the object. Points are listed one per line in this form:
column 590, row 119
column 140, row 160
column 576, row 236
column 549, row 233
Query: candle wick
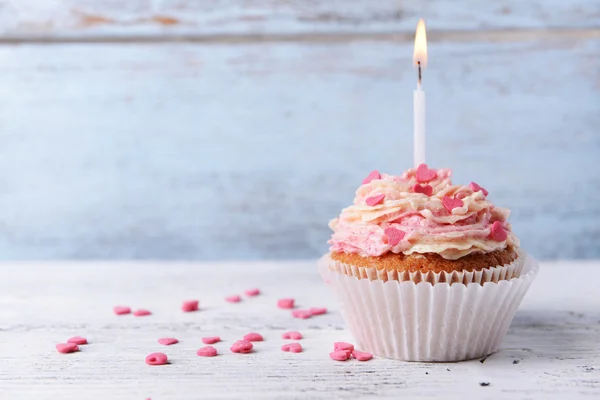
column 419, row 65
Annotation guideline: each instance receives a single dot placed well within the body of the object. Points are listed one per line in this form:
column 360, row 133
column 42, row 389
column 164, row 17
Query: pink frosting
column 428, row 225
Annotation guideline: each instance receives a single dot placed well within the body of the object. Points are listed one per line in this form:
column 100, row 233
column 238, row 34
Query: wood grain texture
column 182, row 151
column 551, row 351
column 298, row 17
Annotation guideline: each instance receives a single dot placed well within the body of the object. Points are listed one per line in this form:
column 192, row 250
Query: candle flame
column 420, row 54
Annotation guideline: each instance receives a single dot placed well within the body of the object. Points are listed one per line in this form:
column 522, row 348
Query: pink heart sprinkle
column 233, row 299
column 373, row 201
column 253, row 337
column 252, row 292
column 211, row 340
column 285, row 303
column 292, row 347
column 372, row 176
column 476, row 188
column 121, row 310
column 362, row 355
column 497, row 232
column 168, row 341
column 302, row 314
column 318, row 310
column 241, row 346
column 207, row 351
column 141, row 313
column 451, row 203
column 189, row 306
column 339, row 355
column 394, row 236
column 78, row 340
column 343, row 346
column 67, row 348
column 425, row 174
column 426, row 190
column 156, row 359
column 292, row 335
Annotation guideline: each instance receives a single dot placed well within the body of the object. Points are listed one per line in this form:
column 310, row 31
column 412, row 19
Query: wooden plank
column 177, row 17
column 244, row 152
column 554, row 337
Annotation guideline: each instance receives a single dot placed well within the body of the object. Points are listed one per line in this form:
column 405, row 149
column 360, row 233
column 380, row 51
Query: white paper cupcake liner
column 429, row 322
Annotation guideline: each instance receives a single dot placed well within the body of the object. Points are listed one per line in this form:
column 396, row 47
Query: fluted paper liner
column 429, row 322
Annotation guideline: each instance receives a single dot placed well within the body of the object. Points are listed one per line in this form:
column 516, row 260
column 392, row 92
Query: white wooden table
column 552, row 350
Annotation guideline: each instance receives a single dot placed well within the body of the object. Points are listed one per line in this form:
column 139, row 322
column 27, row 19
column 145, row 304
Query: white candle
column 419, row 126
column 420, row 62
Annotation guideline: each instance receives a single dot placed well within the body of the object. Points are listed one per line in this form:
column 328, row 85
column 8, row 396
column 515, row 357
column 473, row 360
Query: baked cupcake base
column 428, row 322
column 429, row 261
column 503, row 265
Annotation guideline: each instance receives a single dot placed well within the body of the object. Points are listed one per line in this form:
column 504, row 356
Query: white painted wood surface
column 552, row 350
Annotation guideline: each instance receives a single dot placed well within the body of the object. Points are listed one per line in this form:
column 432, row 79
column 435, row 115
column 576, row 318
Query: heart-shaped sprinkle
column 285, row 303
column 141, row 313
column 121, row 310
column 78, row 340
column 189, row 306
column 292, row 347
column 253, row 337
column 168, row 341
column 252, row 292
column 211, row 340
column 339, row 355
column 362, row 355
column 373, row 201
column 156, row 359
column 343, row 346
column 292, row 335
column 241, row 346
column 394, row 236
column 318, row 310
column 233, row 299
column 371, row 177
column 207, row 351
column 425, row 174
column 450, row 203
column 67, row 348
column 476, row 188
column 497, row 232
column 302, row 314
column 426, row 190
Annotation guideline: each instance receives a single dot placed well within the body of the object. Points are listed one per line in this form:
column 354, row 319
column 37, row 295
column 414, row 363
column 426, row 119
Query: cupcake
column 426, row 270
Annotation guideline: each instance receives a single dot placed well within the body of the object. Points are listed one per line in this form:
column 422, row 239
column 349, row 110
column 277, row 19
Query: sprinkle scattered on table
column 285, row 303
column 156, row 359
column 168, row 341
column 190, row 305
column 121, row 310
column 302, row 314
column 211, row 339
column 233, row 299
column 252, row 292
column 141, row 313
column 292, row 335
column 207, row 351
column 253, row 337
column 292, row 347
column 78, row 340
column 67, row 348
column 241, row 346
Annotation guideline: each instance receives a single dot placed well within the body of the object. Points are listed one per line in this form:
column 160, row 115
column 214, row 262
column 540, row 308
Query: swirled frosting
column 420, row 211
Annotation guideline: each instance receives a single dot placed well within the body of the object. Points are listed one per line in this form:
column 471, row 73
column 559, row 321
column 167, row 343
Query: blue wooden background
column 189, row 130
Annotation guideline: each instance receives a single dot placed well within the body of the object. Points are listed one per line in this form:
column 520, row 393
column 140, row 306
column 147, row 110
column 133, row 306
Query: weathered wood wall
column 119, row 141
